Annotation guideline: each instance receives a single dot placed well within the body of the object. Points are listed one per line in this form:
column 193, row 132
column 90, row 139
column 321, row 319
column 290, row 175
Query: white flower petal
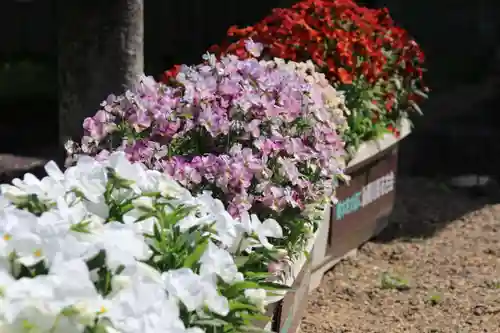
column 271, row 228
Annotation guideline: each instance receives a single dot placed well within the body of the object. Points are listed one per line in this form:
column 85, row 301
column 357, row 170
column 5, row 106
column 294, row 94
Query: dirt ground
column 435, row 269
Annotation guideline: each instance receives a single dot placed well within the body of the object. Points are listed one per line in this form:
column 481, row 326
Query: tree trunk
column 100, row 52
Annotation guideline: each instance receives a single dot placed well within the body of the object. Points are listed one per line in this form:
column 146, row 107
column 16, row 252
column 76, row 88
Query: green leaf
column 241, row 260
column 253, row 329
column 273, row 286
column 239, row 286
column 255, row 317
column 397, row 83
column 416, row 107
column 257, row 275
column 100, row 329
column 211, row 322
column 271, row 294
column 196, row 255
column 98, row 261
column 236, row 306
column 421, row 93
column 81, row 227
column 394, row 282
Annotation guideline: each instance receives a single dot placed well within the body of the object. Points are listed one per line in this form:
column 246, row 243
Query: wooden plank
column 292, row 308
column 364, row 204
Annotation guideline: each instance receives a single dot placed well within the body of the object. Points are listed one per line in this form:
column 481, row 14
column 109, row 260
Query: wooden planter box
column 364, row 204
column 288, row 309
column 292, row 308
column 287, row 314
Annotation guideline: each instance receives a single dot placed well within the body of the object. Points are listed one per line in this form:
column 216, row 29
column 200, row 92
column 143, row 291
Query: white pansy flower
column 6, row 280
column 220, row 262
column 208, row 204
column 191, row 221
column 38, row 302
column 46, row 188
column 54, row 172
column 5, row 204
column 123, row 167
column 66, row 231
column 195, row 291
column 143, row 307
column 134, row 172
column 75, row 290
column 31, row 303
column 19, row 234
column 123, row 245
column 98, row 209
column 263, row 230
column 140, row 273
column 88, row 177
column 12, row 193
column 169, row 188
column 185, row 285
column 13, row 223
column 228, row 231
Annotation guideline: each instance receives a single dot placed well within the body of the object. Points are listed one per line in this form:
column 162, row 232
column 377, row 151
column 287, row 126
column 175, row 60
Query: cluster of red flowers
column 336, row 35
column 347, row 42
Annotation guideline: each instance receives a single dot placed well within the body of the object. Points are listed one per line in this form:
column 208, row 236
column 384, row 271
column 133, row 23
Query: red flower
column 345, row 40
column 344, row 76
column 171, row 73
column 394, row 131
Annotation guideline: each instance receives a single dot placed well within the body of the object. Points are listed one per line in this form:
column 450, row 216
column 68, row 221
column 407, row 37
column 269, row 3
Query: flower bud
column 275, row 267
column 143, row 203
column 257, row 297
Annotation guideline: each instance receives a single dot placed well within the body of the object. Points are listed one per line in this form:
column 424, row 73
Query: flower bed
column 191, row 205
column 114, row 247
column 262, row 136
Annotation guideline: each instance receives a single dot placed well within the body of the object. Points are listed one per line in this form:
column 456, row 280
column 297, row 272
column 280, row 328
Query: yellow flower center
column 38, row 253
column 6, row 237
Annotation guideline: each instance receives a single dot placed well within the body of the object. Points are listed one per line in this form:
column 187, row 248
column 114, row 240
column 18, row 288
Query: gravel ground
column 436, row 269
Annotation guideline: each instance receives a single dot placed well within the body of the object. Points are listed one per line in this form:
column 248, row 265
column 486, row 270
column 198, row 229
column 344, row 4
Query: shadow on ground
column 425, row 206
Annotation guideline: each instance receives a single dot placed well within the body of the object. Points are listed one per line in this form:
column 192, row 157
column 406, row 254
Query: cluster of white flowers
column 333, row 99
column 113, row 247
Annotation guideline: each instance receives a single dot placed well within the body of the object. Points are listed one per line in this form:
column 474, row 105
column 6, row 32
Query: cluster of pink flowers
column 256, row 133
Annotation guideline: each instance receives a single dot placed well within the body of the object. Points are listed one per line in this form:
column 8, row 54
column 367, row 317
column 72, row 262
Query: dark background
column 460, row 38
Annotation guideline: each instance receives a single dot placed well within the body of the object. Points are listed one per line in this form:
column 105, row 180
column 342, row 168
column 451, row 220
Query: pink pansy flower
column 257, row 133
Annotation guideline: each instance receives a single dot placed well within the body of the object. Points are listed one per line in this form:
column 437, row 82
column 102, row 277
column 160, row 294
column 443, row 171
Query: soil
column 435, row 269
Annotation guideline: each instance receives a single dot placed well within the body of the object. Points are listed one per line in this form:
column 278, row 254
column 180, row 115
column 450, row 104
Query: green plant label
column 368, row 194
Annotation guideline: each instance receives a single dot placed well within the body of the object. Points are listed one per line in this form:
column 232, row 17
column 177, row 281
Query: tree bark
column 100, row 52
